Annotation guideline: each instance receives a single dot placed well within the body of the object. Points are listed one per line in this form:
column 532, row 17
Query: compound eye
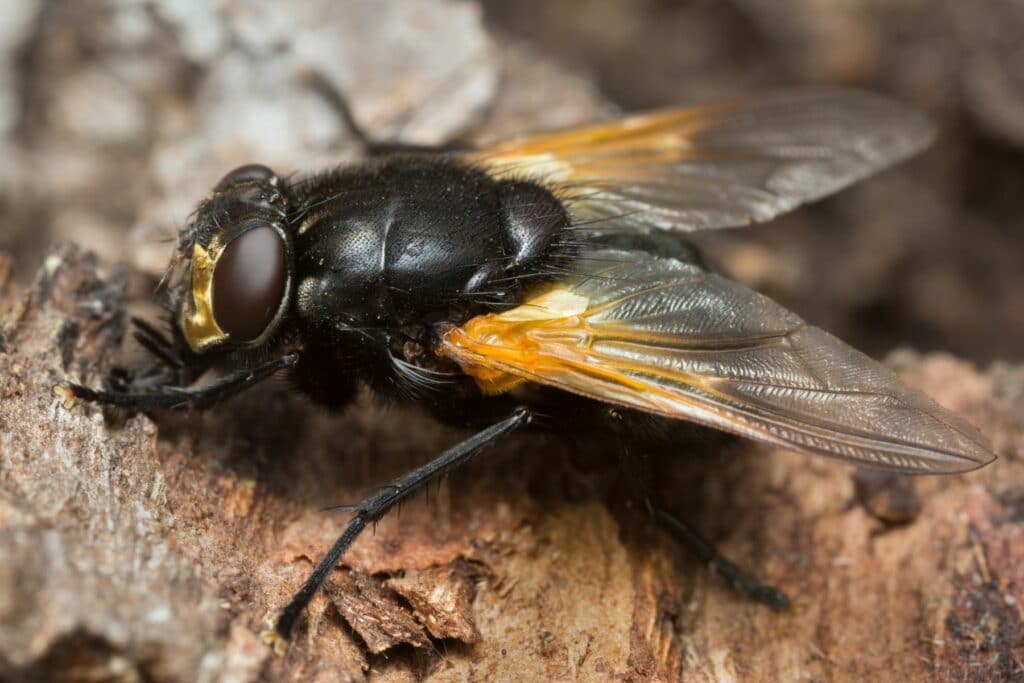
column 250, row 173
column 249, row 283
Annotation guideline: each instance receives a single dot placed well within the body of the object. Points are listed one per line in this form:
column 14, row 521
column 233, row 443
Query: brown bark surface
column 142, row 550
column 137, row 552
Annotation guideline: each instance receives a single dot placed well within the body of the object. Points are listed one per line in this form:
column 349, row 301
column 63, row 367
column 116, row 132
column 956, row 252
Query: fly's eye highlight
column 249, row 283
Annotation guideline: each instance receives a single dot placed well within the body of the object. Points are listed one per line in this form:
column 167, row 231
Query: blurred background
column 116, row 117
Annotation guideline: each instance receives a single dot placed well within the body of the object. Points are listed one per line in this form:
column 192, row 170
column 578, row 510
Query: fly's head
column 234, row 281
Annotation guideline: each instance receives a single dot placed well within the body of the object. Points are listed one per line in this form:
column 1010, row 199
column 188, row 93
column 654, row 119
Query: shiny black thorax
column 387, row 251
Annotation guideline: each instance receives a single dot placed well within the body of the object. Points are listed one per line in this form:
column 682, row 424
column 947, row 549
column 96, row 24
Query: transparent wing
column 718, row 166
column 666, row 337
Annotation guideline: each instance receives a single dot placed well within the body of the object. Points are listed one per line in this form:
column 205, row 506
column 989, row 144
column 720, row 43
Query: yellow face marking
column 199, row 326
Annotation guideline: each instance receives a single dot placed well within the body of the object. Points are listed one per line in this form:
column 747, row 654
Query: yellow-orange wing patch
column 717, row 166
column 665, row 337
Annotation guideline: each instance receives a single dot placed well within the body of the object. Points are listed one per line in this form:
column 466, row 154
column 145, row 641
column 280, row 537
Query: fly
column 546, row 281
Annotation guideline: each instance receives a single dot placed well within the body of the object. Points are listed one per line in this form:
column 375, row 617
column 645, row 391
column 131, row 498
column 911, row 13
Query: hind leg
column 371, row 146
column 632, row 429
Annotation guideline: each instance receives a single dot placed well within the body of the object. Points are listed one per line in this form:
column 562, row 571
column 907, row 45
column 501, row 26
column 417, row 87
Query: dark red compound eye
column 249, row 282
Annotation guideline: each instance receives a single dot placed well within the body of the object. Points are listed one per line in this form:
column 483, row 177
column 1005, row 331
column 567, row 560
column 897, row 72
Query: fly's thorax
column 535, row 221
column 239, row 253
column 412, row 240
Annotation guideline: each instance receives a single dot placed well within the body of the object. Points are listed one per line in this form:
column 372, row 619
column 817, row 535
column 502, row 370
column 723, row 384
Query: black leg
column 169, row 397
column 634, row 470
column 376, row 505
column 372, row 147
column 703, row 549
column 174, row 364
column 154, row 341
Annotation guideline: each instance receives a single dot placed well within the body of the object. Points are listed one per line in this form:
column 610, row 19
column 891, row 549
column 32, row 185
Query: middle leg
column 377, row 504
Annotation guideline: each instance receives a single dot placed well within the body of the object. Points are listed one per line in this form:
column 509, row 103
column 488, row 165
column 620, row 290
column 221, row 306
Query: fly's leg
column 173, row 368
column 372, row 147
column 377, row 504
column 634, row 469
column 703, row 549
column 171, row 397
column 171, row 354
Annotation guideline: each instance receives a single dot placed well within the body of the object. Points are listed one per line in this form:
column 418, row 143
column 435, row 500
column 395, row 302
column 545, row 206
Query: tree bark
column 159, row 549
column 135, row 550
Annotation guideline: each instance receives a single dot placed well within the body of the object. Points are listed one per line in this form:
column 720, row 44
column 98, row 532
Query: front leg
column 172, row 397
column 173, row 365
column 172, row 354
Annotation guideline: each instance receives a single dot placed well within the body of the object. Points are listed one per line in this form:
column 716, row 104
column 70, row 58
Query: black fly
column 547, row 276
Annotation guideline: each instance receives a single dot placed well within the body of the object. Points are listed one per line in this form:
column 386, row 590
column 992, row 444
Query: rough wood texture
column 130, row 556
column 133, row 550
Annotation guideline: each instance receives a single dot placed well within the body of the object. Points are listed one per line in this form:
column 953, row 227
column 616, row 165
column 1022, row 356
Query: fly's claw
column 275, row 641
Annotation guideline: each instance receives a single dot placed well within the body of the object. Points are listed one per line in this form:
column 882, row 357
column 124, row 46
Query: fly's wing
column 718, row 166
column 666, row 337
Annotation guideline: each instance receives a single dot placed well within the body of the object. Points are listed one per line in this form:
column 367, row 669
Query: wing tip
column 907, row 126
column 962, row 461
column 905, row 129
column 909, row 129
column 907, row 459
